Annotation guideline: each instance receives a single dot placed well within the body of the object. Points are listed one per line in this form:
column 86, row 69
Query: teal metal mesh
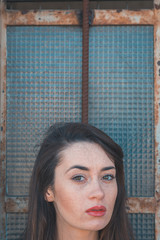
column 43, row 86
column 121, row 97
column 143, row 226
column 15, row 226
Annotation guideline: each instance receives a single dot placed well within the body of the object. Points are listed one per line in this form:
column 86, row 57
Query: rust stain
column 141, row 205
column 3, row 97
column 113, row 17
column 3, row 117
column 157, row 219
column 157, row 119
column 72, row 17
column 16, row 205
column 157, row 65
column 43, row 17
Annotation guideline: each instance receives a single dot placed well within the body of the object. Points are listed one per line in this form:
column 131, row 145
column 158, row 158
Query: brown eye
column 108, row 177
column 78, row 178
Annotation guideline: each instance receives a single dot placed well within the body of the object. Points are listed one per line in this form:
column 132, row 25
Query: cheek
column 65, row 201
column 111, row 196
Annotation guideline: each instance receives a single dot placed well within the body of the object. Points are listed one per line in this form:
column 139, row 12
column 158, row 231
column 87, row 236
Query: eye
column 78, row 178
column 108, row 177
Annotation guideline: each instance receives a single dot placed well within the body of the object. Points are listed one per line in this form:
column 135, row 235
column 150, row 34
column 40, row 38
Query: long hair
column 41, row 214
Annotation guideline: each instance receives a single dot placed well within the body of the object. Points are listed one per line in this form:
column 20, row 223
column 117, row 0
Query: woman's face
column 85, row 187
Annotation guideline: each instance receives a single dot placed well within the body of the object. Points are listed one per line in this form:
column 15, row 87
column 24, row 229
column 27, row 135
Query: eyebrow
column 87, row 169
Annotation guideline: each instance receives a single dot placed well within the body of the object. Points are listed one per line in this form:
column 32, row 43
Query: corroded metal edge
column 126, row 17
column 73, row 17
column 45, row 17
column 2, row 121
column 157, row 122
column 141, row 205
column 16, row 205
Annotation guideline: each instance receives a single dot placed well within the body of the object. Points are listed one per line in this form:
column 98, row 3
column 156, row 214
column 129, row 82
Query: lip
column 96, row 211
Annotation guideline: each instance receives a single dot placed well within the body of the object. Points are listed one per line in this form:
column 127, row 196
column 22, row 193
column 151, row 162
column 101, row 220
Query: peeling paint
column 2, row 119
column 72, row 17
column 15, row 205
column 157, row 121
column 112, row 17
column 141, row 205
column 43, row 17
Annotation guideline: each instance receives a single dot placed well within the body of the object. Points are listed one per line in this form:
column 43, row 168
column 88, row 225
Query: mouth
column 96, row 211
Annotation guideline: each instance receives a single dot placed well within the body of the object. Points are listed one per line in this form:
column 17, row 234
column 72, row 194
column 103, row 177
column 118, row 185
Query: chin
column 98, row 226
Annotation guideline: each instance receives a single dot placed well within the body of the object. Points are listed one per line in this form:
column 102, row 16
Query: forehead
column 85, row 153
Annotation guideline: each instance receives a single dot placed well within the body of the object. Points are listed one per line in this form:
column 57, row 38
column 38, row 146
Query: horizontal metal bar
column 45, row 17
column 124, row 17
column 134, row 205
column 141, row 205
column 16, row 204
column 72, row 17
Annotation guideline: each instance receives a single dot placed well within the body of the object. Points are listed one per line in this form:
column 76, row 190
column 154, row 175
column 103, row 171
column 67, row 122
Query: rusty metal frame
column 157, row 119
column 72, row 17
column 85, row 61
column 2, row 117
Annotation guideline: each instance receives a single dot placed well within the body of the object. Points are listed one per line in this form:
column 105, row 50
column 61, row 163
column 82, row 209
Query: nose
column 96, row 191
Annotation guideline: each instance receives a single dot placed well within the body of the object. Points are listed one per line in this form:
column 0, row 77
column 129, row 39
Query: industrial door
column 42, row 85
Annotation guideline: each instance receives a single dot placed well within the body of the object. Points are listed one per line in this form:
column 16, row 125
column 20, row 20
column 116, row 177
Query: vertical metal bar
column 2, row 120
column 157, row 120
column 85, row 61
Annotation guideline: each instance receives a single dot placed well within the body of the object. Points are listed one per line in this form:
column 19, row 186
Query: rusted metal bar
column 126, row 17
column 72, row 17
column 16, row 204
column 85, row 61
column 157, row 122
column 134, row 205
column 141, row 205
column 2, row 120
column 45, row 17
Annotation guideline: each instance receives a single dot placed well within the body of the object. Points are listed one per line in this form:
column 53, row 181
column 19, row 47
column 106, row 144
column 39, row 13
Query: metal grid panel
column 43, row 86
column 143, row 226
column 15, row 225
column 121, row 97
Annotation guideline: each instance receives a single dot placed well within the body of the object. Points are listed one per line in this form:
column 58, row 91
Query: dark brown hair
column 41, row 214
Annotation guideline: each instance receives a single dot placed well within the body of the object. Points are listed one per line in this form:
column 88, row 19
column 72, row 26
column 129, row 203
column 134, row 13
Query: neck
column 72, row 234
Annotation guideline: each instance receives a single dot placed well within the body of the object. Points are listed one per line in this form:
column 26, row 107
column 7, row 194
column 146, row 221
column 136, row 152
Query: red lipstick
column 96, row 211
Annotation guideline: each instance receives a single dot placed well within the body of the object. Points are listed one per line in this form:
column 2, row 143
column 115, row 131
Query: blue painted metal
column 143, row 226
column 43, row 86
column 15, row 225
column 121, row 97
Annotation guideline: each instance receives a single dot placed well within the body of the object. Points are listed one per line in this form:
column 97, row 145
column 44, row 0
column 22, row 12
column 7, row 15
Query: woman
column 77, row 187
